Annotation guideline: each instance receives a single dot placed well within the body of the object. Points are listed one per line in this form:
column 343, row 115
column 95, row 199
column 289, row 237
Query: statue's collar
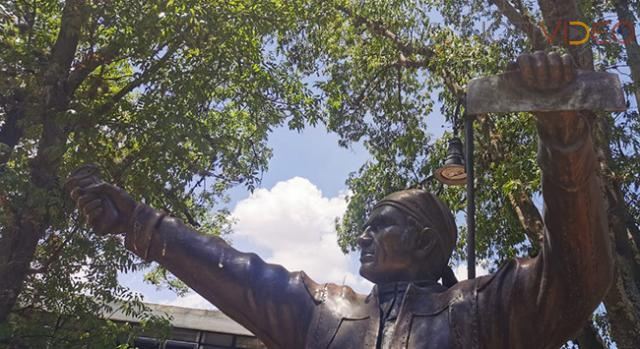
column 384, row 290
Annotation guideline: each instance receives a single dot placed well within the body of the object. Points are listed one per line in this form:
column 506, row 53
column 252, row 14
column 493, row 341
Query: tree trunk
column 17, row 246
column 627, row 22
column 20, row 239
column 557, row 15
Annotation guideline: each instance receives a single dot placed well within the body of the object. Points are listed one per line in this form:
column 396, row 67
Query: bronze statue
column 406, row 244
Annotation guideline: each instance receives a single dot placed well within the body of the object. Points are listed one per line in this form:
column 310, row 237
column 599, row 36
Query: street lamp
column 457, row 171
column 453, row 171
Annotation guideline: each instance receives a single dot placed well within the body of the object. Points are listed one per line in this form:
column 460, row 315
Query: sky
column 290, row 218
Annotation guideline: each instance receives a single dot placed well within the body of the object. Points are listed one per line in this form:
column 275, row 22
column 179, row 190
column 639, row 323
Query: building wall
column 195, row 329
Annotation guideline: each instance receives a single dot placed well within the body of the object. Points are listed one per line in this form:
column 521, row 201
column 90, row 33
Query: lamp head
column 453, row 171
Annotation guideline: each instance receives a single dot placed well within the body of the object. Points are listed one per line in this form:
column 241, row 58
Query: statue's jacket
column 531, row 303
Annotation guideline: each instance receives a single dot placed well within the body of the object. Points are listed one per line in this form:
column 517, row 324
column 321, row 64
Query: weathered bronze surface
column 503, row 93
column 529, row 303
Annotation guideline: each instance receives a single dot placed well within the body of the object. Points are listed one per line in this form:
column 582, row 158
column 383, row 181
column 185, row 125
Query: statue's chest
column 412, row 329
column 429, row 331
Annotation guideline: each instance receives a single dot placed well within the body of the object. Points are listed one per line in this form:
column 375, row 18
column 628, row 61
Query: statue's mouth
column 367, row 257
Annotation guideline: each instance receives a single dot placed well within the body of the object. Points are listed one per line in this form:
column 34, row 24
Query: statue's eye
column 380, row 222
column 385, row 222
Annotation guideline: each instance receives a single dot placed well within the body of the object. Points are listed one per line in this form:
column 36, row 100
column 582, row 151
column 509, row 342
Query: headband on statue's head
column 428, row 211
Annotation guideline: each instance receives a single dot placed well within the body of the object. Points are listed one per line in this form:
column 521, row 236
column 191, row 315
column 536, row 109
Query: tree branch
column 363, row 94
column 529, row 217
column 379, row 28
column 528, row 214
column 182, row 208
column 91, row 62
column 523, row 22
column 53, row 256
column 621, row 303
column 141, row 79
column 455, row 88
column 406, row 49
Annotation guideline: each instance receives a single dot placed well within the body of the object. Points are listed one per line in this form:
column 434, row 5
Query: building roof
column 194, row 319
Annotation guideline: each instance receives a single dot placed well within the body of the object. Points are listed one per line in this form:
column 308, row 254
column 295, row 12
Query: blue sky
column 313, row 154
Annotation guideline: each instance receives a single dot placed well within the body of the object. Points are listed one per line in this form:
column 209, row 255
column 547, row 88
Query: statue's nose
column 365, row 239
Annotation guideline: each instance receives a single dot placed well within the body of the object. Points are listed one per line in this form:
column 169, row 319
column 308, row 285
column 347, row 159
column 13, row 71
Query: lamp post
column 458, row 171
column 471, row 200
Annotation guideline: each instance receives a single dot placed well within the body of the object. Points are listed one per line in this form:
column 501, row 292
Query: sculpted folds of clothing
column 529, row 303
column 428, row 318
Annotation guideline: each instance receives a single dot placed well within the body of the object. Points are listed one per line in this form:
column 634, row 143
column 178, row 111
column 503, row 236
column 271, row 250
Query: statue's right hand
column 107, row 208
column 545, row 71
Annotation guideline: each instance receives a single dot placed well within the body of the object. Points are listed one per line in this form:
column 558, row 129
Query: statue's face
column 386, row 252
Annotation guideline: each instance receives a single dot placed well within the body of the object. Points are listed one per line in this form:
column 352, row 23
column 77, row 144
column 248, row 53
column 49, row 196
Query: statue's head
column 409, row 236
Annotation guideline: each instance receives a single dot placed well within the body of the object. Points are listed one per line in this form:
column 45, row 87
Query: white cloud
column 191, row 300
column 295, row 223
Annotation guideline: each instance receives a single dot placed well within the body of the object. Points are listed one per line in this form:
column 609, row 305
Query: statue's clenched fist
column 545, row 72
column 548, row 72
column 105, row 207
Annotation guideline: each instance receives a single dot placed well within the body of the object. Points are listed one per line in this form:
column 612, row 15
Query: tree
column 383, row 59
column 166, row 96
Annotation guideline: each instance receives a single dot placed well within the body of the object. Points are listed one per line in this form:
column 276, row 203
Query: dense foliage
column 172, row 99
column 432, row 48
column 175, row 101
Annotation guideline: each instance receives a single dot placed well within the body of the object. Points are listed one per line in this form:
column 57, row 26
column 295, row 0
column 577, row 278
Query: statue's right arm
column 270, row 301
column 542, row 302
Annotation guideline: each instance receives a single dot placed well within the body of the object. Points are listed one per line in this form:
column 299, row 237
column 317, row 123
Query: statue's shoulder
column 505, row 274
column 462, row 295
column 468, row 287
column 323, row 292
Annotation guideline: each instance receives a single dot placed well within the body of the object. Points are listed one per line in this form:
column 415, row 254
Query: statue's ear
column 425, row 243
